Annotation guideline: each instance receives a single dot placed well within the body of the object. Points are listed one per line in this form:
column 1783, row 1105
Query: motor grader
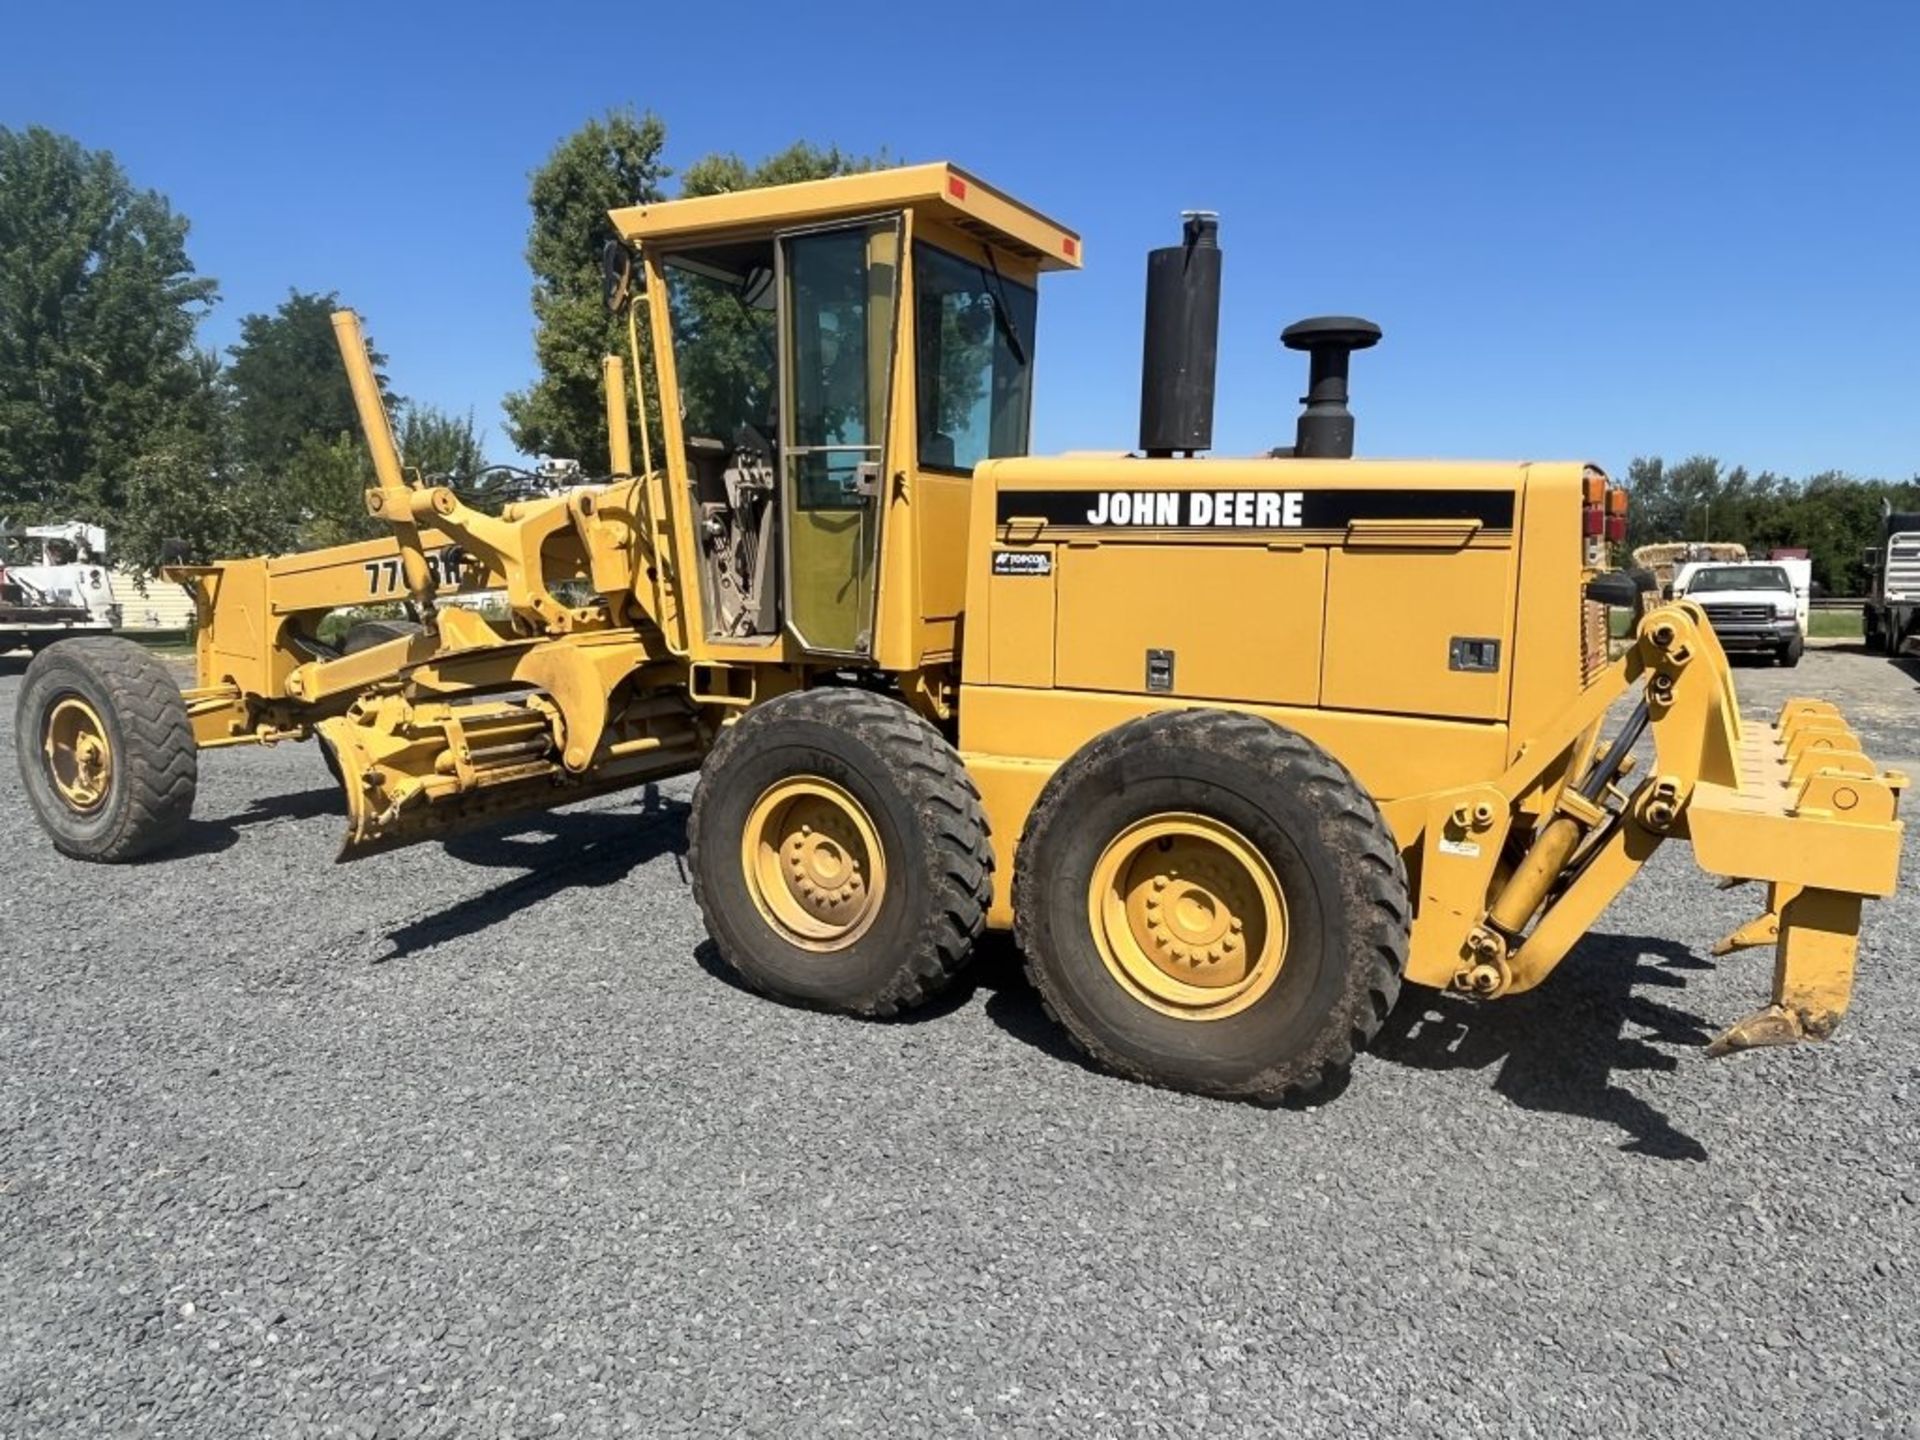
column 1234, row 746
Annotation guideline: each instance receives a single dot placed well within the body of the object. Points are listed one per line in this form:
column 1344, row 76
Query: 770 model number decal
column 444, row 567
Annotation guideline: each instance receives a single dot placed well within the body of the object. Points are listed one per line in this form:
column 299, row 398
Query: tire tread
column 158, row 757
column 1366, row 851
column 919, row 760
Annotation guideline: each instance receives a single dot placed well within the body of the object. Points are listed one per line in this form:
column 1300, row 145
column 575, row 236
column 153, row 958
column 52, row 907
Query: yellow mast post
column 392, row 500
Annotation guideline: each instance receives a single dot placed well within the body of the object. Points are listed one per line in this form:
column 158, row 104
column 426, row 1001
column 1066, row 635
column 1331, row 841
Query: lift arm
column 1794, row 804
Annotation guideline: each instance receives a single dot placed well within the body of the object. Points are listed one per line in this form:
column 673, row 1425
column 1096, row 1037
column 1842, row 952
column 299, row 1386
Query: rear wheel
column 106, row 751
column 839, row 852
column 1211, row 903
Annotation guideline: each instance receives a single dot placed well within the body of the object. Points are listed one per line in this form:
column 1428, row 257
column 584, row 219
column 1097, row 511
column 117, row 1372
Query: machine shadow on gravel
column 1014, row 1005
column 210, row 836
column 1558, row 1047
column 559, row 851
column 955, row 997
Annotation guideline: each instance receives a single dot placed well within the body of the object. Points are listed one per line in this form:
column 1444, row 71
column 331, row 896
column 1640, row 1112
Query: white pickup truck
column 53, row 583
column 1758, row 608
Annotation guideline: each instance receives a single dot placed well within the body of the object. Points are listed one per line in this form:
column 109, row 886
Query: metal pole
column 391, row 501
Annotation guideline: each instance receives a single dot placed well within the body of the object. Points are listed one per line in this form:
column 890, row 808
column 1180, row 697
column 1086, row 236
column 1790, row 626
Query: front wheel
column 1791, row 652
column 106, row 751
column 839, row 852
column 1211, row 903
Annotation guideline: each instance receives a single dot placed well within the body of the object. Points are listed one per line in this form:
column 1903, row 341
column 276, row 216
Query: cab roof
column 941, row 189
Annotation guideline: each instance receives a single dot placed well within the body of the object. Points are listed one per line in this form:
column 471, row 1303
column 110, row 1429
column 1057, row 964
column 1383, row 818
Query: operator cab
column 839, row 355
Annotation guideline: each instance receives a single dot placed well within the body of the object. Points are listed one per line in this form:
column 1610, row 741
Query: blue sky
column 1590, row 231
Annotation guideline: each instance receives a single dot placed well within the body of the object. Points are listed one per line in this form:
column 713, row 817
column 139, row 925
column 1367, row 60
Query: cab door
column 839, row 298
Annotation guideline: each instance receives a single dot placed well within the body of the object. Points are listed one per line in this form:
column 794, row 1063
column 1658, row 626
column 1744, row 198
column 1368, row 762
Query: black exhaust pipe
column 1182, row 339
column 1325, row 428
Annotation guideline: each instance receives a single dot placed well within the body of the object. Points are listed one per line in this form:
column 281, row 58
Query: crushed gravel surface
column 479, row 1139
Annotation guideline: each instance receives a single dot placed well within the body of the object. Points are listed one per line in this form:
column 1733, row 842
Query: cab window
column 974, row 337
column 720, row 302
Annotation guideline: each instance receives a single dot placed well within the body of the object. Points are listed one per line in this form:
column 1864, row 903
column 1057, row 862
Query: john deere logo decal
column 1249, row 509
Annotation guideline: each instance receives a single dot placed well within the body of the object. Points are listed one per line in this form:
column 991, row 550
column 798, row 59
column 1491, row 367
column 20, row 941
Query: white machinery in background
column 54, row 582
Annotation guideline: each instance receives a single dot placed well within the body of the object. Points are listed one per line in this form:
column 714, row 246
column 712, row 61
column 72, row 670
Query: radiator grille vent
column 1593, row 640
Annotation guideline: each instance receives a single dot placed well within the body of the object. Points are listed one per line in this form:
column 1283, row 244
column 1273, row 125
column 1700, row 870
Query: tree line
column 111, row 412
column 1833, row 516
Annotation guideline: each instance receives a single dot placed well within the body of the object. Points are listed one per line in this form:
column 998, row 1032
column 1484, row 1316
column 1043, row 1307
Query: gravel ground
column 480, row 1140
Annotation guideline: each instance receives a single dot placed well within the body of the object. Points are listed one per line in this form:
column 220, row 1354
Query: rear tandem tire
column 839, row 852
column 106, row 751
column 1211, row 903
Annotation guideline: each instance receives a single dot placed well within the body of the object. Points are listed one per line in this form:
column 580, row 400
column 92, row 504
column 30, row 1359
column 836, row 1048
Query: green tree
column 294, row 432
column 287, row 383
column 1832, row 516
column 606, row 163
column 440, row 444
column 721, row 172
column 186, row 500
column 98, row 305
column 328, row 479
column 325, row 482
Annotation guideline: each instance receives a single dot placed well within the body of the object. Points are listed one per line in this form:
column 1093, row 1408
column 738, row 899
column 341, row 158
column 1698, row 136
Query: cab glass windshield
column 1739, row 577
column 974, row 334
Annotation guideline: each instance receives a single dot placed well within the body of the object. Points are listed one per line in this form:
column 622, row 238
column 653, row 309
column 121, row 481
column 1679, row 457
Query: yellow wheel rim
column 813, row 863
column 1188, row 916
column 79, row 754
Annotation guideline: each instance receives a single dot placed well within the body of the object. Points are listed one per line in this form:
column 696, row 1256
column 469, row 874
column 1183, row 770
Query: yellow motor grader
column 1233, row 745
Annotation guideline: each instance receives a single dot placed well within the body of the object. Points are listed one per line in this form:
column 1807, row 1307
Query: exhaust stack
column 1182, row 338
column 1325, row 429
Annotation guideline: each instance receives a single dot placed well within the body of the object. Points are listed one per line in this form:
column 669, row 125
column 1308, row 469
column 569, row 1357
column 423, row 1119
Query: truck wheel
column 1212, row 903
column 1791, row 652
column 839, row 852
column 106, row 752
